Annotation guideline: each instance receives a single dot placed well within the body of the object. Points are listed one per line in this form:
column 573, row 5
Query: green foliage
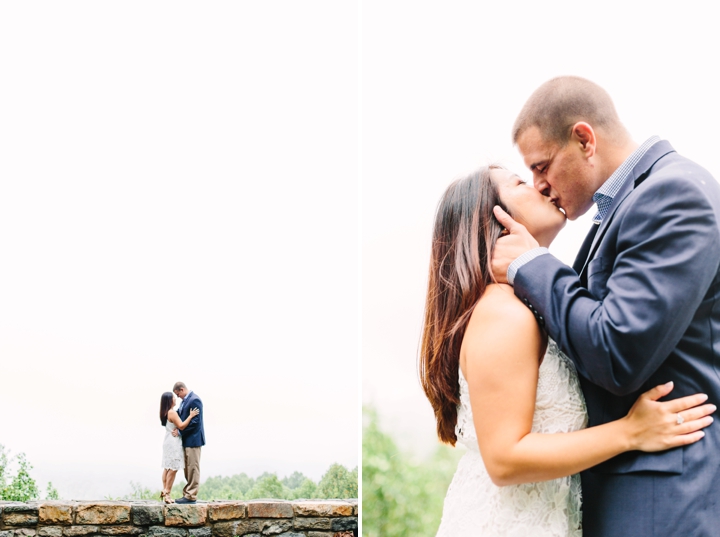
column 338, row 483
column 401, row 496
column 141, row 493
column 268, row 486
column 3, row 467
column 226, row 488
column 52, row 493
column 138, row 493
column 22, row 487
column 293, row 481
column 307, row 490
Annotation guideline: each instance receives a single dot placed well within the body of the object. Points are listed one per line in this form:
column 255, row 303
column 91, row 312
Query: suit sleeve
column 667, row 254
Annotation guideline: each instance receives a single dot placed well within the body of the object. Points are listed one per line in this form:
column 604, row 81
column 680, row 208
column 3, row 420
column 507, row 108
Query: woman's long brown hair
column 463, row 241
column 166, row 403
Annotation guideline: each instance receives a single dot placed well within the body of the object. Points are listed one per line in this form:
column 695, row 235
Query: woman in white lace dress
column 172, row 458
column 486, row 366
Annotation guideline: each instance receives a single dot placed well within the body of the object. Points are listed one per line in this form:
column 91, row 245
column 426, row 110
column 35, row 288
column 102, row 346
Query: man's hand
column 511, row 246
column 175, row 432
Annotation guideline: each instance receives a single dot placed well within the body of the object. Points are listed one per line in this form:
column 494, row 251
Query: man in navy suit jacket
column 641, row 305
column 193, row 438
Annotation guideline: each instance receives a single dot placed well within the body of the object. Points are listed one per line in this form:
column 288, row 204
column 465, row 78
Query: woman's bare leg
column 170, row 480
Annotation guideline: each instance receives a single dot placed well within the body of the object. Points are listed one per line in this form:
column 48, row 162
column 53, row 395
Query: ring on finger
column 680, row 420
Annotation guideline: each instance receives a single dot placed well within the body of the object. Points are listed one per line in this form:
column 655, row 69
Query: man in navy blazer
column 641, row 304
column 193, row 438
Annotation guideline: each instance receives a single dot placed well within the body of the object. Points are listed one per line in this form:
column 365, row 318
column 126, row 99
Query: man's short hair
column 561, row 102
column 179, row 385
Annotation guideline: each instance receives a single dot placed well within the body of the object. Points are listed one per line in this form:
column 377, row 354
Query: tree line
column 336, row 482
column 16, row 484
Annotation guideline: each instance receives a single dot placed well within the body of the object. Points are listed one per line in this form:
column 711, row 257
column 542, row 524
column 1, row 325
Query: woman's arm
column 175, row 419
column 500, row 355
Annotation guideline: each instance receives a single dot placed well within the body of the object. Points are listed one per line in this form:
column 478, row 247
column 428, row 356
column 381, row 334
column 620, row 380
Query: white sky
column 441, row 87
column 178, row 201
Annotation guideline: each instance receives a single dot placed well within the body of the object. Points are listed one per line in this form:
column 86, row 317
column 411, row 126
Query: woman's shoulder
column 498, row 318
column 499, row 303
column 500, row 326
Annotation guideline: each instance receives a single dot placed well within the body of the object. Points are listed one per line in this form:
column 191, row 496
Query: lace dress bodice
column 173, row 457
column 474, row 506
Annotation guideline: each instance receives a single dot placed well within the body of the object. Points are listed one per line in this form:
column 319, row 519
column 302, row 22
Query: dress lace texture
column 173, row 457
column 475, row 507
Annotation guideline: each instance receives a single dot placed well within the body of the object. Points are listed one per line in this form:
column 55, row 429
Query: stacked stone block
column 261, row 518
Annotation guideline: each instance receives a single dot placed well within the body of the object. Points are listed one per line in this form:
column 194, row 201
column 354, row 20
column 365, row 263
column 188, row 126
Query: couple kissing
column 558, row 379
column 184, row 436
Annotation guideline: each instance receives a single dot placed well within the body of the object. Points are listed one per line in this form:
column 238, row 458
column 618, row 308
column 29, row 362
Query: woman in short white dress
column 172, row 459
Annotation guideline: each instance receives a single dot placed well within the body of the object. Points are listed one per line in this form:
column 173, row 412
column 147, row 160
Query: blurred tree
column 268, row 486
column 3, row 466
column 226, row 488
column 400, row 496
column 52, row 493
column 21, row 487
column 241, row 482
column 306, row 490
column 294, row 481
column 338, row 483
column 141, row 493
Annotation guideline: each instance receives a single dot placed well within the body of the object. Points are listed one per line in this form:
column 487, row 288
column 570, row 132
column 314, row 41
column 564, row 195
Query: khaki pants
column 192, row 472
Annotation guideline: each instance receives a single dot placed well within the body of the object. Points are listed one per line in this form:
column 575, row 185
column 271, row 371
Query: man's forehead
column 533, row 147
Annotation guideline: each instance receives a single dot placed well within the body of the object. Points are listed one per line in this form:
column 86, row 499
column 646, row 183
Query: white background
column 441, row 87
column 178, row 201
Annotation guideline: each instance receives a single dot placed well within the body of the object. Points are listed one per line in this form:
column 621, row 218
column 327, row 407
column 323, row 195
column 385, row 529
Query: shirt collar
column 604, row 195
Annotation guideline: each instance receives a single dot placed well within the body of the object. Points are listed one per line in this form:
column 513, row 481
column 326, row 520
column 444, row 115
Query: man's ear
column 584, row 135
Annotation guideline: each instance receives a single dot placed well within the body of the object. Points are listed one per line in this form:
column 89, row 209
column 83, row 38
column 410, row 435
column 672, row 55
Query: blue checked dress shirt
column 604, row 196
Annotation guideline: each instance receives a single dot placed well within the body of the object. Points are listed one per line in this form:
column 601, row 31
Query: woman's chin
column 562, row 221
column 549, row 235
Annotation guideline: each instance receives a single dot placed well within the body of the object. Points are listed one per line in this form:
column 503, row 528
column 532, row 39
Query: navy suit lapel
column 188, row 404
column 636, row 176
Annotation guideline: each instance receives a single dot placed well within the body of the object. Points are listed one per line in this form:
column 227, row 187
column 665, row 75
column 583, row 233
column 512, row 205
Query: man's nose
column 541, row 185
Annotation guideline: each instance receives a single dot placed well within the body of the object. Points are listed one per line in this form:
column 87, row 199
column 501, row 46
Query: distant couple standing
column 184, row 436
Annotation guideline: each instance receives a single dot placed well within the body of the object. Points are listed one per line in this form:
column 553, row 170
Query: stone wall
column 303, row 518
